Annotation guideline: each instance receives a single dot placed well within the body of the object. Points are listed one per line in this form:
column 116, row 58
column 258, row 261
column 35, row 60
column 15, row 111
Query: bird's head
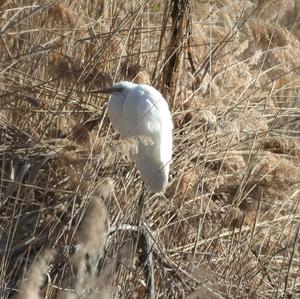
column 121, row 87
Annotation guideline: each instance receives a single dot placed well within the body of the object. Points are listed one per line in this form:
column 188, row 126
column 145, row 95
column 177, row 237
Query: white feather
column 140, row 110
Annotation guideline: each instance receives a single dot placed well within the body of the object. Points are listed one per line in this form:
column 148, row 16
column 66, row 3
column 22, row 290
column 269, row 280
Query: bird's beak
column 107, row 90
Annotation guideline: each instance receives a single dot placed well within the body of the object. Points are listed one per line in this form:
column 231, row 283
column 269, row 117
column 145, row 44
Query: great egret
column 139, row 110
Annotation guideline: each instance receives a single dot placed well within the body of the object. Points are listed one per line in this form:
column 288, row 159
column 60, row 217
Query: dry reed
column 227, row 226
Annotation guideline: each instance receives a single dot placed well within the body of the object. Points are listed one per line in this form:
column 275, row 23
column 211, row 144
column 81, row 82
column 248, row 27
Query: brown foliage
column 227, row 223
column 35, row 280
column 63, row 14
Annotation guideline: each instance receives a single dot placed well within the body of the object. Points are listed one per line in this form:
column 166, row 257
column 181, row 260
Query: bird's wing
column 149, row 115
column 139, row 115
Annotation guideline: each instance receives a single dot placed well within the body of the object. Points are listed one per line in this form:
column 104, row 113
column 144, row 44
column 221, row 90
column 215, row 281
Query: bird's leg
column 145, row 244
column 141, row 204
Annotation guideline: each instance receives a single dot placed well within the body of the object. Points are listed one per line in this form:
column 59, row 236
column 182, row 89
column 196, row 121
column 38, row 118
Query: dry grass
column 228, row 224
column 35, row 280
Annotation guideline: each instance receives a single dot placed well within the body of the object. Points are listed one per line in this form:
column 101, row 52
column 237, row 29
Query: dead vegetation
column 71, row 223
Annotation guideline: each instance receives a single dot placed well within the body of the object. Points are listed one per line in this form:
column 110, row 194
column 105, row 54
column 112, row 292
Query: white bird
column 139, row 110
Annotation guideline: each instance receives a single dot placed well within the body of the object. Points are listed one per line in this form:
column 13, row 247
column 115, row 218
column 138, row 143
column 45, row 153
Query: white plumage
column 137, row 110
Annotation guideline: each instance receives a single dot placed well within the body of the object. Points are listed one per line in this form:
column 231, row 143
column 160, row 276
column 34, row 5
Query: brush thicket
column 227, row 225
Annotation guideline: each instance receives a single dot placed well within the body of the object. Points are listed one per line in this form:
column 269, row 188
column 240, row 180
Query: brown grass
column 227, row 226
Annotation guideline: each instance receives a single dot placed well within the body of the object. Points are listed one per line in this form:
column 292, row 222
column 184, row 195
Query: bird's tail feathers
column 153, row 169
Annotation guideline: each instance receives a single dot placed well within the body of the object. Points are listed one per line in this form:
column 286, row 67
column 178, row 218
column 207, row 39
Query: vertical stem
column 179, row 36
